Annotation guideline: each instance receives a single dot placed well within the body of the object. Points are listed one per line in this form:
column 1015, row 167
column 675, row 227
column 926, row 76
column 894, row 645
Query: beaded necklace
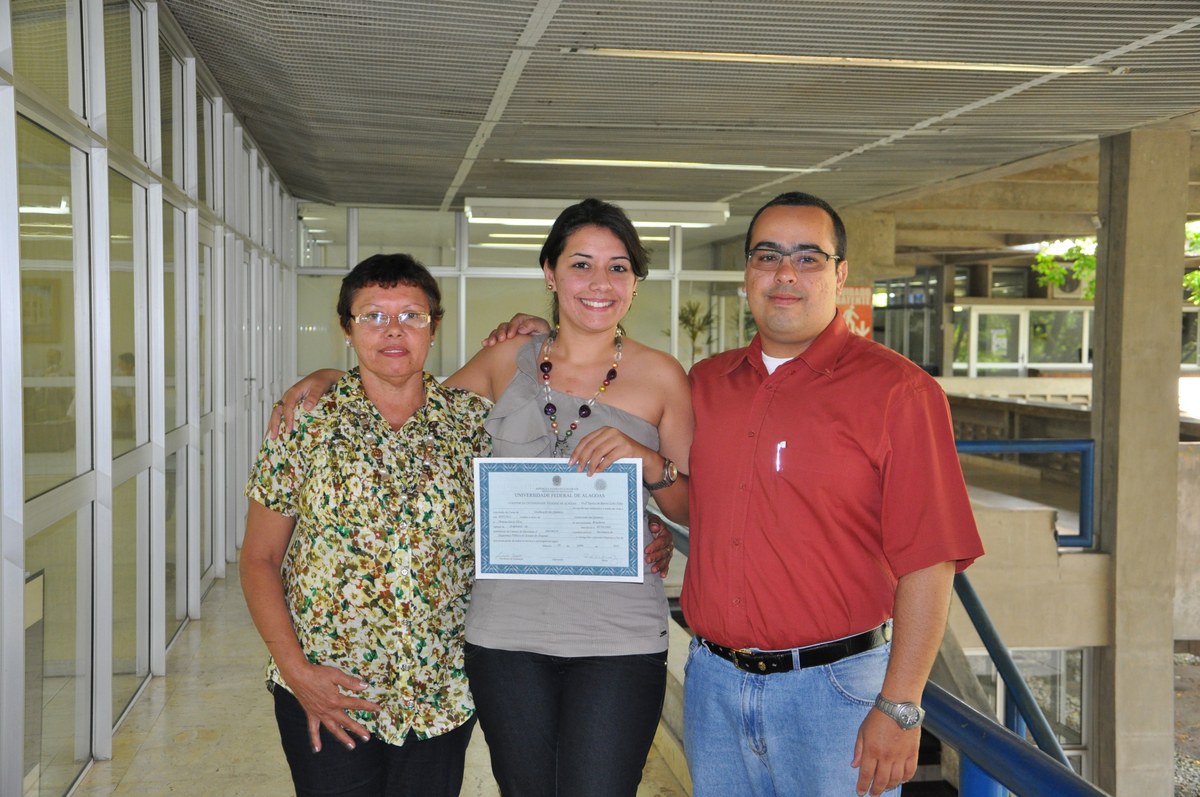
column 585, row 409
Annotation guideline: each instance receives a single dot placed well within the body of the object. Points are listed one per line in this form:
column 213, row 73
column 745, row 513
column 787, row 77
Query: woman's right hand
column 307, row 391
column 519, row 324
column 317, row 689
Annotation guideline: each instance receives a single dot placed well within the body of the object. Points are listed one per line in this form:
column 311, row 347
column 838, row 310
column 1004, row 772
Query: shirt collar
column 821, row 356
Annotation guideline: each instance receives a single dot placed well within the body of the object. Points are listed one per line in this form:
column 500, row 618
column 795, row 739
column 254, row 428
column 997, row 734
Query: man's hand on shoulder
column 308, row 392
column 519, row 324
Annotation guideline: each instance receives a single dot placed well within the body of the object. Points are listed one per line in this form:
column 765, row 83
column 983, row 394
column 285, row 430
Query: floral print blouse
column 378, row 572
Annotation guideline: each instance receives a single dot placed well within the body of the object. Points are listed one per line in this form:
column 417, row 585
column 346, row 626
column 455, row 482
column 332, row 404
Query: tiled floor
column 207, row 727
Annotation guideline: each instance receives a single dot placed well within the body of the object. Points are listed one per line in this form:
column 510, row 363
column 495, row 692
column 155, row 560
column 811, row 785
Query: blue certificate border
column 484, row 567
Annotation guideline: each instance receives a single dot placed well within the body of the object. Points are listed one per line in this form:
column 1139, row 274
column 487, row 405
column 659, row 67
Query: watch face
column 908, row 715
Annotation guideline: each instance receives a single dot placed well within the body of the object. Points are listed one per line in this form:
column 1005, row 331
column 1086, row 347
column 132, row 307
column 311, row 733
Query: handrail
column 1006, row 757
column 1031, row 712
column 1087, row 466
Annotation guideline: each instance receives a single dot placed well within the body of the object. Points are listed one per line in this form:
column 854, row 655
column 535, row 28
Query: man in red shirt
column 828, row 517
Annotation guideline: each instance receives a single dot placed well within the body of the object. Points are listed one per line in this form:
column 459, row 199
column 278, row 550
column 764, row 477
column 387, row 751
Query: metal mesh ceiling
column 423, row 103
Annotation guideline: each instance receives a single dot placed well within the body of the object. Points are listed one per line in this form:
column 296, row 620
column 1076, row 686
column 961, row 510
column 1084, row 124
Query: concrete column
column 1143, row 191
column 871, row 246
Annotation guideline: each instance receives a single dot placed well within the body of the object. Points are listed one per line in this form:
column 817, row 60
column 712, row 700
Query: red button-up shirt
column 814, row 488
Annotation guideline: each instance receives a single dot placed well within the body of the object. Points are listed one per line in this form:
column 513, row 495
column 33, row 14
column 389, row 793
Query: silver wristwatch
column 670, row 475
column 906, row 715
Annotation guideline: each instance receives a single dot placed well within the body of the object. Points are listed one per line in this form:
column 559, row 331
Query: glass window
column 647, row 321
column 207, row 539
column 1188, row 352
column 1056, row 336
column 174, row 316
column 123, row 75
column 999, row 343
column 962, row 339
column 1056, row 680
column 56, row 693
column 42, row 52
column 426, row 235
column 962, row 281
column 1009, row 283
column 323, row 239
column 205, row 342
column 176, row 544
column 320, row 342
column 505, row 245
column 491, row 300
column 204, row 149
column 170, row 82
column 127, row 252
column 713, row 317
column 130, row 644
column 50, row 246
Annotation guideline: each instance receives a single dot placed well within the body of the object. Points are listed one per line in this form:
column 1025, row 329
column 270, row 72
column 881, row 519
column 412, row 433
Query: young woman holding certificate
column 569, row 676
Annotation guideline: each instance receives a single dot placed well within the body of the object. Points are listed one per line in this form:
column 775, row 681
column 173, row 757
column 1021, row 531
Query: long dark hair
column 597, row 213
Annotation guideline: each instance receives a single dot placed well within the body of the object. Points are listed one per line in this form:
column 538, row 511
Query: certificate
column 541, row 519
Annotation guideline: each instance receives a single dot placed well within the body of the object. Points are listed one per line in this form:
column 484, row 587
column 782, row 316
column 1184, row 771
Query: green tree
column 695, row 324
column 1060, row 262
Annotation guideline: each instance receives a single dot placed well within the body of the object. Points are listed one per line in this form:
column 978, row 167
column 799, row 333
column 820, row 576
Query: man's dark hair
column 388, row 271
column 801, row 199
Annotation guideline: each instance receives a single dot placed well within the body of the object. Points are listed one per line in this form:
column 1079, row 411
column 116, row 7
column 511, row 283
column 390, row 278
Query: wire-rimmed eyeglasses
column 804, row 258
column 378, row 320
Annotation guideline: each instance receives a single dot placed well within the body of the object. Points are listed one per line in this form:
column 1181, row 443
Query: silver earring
column 348, row 343
column 549, row 287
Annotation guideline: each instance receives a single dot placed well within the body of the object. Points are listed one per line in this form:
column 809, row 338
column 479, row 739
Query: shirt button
column 750, row 433
column 404, row 571
column 737, row 601
column 737, row 542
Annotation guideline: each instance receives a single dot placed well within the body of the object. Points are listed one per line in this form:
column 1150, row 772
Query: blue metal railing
column 1018, row 689
column 1087, row 467
column 998, row 755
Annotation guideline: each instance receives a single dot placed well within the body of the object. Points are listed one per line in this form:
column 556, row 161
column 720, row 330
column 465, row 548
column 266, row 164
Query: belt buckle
column 748, row 666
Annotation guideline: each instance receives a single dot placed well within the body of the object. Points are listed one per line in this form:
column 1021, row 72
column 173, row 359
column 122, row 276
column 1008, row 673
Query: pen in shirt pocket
column 779, row 447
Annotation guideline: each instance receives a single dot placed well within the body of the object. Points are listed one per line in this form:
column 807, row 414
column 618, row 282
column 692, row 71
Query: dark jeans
column 416, row 769
column 570, row 726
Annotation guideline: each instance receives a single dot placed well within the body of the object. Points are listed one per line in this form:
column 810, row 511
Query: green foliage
column 695, row 324
column 1055, row 266
column 1191, row 281
column 1078, row 261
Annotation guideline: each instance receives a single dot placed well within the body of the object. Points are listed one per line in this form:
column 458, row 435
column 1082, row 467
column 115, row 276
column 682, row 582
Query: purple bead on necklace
column 585, row 409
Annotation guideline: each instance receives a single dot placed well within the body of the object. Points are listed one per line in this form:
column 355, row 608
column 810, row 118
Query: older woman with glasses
column 358, row 557
column 569, row 676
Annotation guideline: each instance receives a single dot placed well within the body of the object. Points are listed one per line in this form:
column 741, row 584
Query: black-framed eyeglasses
column 804, row 258
column 378, row 320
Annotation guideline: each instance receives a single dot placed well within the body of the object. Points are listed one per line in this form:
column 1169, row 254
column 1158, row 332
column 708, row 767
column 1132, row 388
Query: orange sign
column 854, row 304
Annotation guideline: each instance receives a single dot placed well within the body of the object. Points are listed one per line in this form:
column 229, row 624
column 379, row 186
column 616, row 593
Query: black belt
column 811, row 656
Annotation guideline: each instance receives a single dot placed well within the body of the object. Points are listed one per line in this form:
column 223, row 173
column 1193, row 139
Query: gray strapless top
column 563, row 618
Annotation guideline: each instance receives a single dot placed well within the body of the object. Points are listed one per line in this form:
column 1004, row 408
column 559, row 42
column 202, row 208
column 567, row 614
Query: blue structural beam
column 1086, row 449
column 1007, row 758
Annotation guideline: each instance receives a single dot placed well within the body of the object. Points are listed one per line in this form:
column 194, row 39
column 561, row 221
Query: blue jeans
column 429, row 768
column 788, row 734
column 571, row 726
